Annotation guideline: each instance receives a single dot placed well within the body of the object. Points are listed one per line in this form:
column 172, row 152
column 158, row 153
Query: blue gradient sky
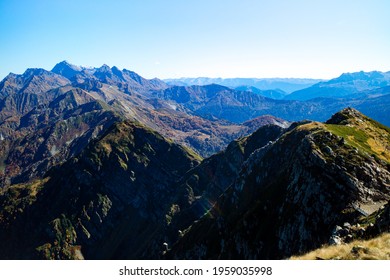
column 215, row 38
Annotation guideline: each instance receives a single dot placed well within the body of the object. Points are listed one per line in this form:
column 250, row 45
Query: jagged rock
column 337, row 230
column 347, row 225
column 328, row 150
column 335, row 240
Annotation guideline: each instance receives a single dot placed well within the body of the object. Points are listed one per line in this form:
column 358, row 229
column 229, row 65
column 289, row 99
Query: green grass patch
column 353, row 136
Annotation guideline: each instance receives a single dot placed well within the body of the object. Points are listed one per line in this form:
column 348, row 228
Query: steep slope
column 276, row 193
column 346, row 85
column 290, row 194
column 32, row 81
column 67, row 70
column 20, row 93
column 51, row 133
column 200, row 188
column 23, row 93
column 108, row 202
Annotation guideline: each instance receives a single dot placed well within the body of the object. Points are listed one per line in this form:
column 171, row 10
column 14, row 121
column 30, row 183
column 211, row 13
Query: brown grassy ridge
column 377, row 248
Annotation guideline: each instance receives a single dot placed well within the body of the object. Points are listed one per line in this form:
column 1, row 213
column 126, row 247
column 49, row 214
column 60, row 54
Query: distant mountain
column 287, row 85
column 274, row 94
column 219, row 102
column 347, row 85
column 125, row 79
column 50, row 133
column 32, row 81
column 216, row 101
column 123, row 91
column 377, row 107
column 46, row 118
column 67, row 70
column 264, row 121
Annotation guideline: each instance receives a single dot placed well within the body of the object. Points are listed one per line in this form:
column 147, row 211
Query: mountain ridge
column 130, row 191
column 300, row 222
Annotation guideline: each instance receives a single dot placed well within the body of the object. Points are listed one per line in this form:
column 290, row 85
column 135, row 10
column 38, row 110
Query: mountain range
column 350, row 85
column 347, row 85
column 286, row 85
column 101, row 163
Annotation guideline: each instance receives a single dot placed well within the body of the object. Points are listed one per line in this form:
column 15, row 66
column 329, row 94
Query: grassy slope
column 374, row 249
column 364, row 134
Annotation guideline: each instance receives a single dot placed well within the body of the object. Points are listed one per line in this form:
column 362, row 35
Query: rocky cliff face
column 291, row 194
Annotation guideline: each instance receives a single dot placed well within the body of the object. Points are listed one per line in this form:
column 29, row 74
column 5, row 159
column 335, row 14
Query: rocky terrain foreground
column 133, row 194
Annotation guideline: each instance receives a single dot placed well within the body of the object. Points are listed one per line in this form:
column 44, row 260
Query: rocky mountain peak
column 116, row 71
column 345, row 77
column 345, row 115
column 34, row 72
column 134, row 76
column 66, row 69
column 32, row 81
column 104, row 68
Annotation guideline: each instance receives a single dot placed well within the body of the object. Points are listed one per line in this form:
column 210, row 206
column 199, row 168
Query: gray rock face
column 335, row 240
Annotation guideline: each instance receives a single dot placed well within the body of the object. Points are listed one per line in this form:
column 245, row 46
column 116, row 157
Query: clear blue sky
column 191, row 38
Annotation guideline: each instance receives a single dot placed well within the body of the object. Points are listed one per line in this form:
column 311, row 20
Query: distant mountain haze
column 347, row 85
column 287, row 85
